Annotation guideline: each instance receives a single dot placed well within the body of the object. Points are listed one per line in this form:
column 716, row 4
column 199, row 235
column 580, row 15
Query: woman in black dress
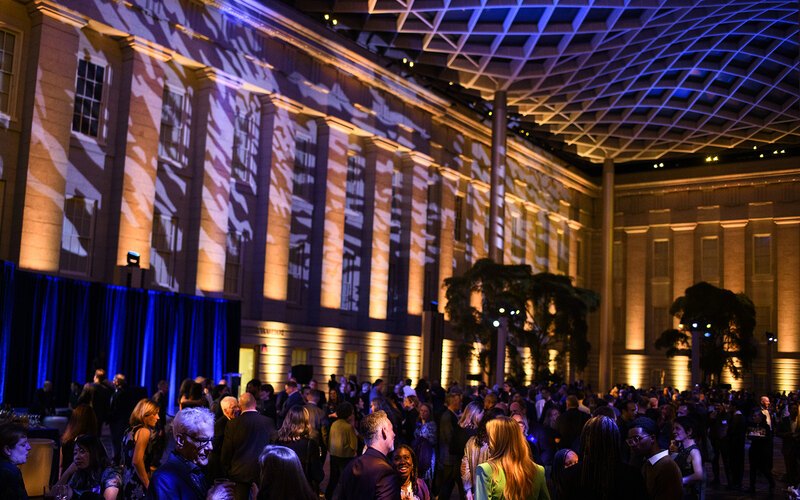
column 689, row 459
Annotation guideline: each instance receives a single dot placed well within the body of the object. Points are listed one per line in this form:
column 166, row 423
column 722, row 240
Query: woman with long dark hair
column 600, row 472
column 91, row 475
column 282, row 476
column 405, row 463
column 510, row 473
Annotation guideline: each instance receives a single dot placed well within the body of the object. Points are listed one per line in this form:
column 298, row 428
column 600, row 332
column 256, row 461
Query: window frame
column 171, row 265
column 10, row 116
column 768, row 237
column 90, row 237
column 102, row 118
column 182, row 146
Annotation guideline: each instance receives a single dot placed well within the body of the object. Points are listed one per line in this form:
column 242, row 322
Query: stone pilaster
column 335, row 134
column 44, row 145
column 531, row 215
column 479, row 219
column 788, row 286
column 280, row 125
column 138, row 136
column 380, row 162
column 214, row 107
column 683, row 257
column 733, row 264
column 447, row 230
column 554, row 225
column 415, row 197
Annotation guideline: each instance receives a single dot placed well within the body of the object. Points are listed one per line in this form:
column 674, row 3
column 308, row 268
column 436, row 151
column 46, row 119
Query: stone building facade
column 244, row 154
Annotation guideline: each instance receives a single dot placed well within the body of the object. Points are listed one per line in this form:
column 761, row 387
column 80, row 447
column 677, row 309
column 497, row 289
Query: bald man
column 245, row 439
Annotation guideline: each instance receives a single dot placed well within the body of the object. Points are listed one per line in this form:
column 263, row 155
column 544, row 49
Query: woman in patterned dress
column 137, row 448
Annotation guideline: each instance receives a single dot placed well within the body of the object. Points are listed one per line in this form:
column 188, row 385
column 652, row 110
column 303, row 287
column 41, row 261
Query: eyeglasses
column 634, row 440
column 200, row 442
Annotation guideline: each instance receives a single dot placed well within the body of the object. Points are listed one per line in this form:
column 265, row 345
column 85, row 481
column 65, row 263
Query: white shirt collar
column 658, row 456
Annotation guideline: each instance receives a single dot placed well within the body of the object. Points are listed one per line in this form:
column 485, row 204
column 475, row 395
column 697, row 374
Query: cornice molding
column 58, row 12
column 147, row 48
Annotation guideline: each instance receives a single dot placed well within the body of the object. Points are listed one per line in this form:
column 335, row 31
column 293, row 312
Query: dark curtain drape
column 59, row 329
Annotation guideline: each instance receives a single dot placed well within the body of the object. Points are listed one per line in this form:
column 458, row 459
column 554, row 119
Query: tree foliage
column 552, row 312
column 725, row 320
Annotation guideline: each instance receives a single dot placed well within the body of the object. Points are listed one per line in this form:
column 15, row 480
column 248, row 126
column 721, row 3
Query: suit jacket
column 369, row 476
column 295, row 399
column 215, row 469
column 569, row 425
column 245, row 439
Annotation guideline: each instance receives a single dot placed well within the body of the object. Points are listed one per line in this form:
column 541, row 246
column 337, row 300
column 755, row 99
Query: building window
column 542, row 246
column 298, row 272
column 162, row 252
column 662, row 320
column 244, row 141
column 661, row 259
column 762, row 254
column 353, row 229
column 233, row 263
column 170, row 145
column 299, row 357
column 487, row 222
column 709, row 254
column 88, row 97
column 76, row 235
column 8, row 43
column 303, row 178
column 394, row 374
column 459, row 219
column 517, row 238
column 395, row 285
column 563, row 252
column 351, row 363
column 618, row 262
column 581, row 259
column 763, row 319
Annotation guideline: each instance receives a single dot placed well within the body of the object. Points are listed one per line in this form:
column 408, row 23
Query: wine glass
column 60, row 491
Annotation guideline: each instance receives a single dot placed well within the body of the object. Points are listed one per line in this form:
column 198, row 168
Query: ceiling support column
column 498, row 178
column 606, row 293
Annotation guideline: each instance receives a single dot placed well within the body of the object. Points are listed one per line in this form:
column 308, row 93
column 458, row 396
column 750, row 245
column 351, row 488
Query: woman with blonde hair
column 510, row 473
column 295, row 435
column 137, row 445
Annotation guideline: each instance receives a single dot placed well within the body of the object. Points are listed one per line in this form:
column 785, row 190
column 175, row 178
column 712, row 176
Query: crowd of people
column 410, row 442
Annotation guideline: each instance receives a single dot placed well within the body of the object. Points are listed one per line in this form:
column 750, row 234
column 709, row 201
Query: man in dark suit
column 293, row 398
column 245, row 439
column 122, row 404
column 570, row 424
column 371, row 476
column 230, row 410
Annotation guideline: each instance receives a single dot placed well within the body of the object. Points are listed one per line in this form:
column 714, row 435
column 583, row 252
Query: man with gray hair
column 371, row 476
column 230, row 410
column 181, row 477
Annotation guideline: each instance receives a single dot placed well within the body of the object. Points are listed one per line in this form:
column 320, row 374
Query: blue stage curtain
column 59, row 329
